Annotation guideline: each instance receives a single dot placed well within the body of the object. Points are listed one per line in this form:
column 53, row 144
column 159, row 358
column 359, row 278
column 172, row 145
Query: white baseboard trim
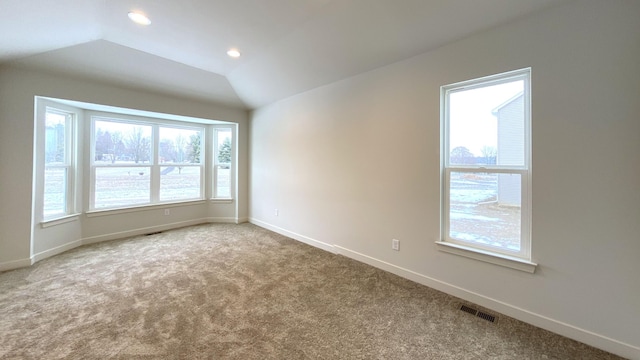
column 570, row 331
column 558, row 327
column 142, row 231
column 222, row 220
column 55, row 251
column 242, row 220
column 12, row 265
column 15, row 264
column 555, row 326
column 307, row 240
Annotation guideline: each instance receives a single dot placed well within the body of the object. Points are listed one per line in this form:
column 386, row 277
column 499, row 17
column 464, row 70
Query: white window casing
column 161, row 176
column 486, row 169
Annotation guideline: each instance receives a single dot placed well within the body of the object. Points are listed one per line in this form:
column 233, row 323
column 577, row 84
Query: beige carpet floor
column 223, row 291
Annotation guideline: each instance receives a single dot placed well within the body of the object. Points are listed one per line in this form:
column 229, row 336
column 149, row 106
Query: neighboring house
column 510, row 116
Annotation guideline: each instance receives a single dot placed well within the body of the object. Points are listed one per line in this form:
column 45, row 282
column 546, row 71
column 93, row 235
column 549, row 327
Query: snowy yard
column 124, row 186
column 477, row 216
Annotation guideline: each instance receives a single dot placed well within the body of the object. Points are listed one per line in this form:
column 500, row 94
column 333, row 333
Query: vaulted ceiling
column 287, row 46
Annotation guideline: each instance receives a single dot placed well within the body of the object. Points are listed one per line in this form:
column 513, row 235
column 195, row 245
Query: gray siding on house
column 510, row 148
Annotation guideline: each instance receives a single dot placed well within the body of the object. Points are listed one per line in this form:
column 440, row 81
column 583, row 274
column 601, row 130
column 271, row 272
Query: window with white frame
column 59, row 169
column 222, row 162
column 486, row 175
column 138, row 162
column 89, row 160
column 181, row 166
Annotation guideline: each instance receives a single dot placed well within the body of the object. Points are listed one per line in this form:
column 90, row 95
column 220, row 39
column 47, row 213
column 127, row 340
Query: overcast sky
column 472, row 124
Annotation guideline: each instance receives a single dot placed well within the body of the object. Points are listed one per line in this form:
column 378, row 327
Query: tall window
column 180, row 158
column 58, row 164
column 138, row 162
column 486, row 164
column 222, row 172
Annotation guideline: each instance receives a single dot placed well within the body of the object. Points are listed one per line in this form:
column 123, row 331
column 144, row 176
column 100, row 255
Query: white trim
column 555, row 326
column 468, row 248
column 153, row 164
column 221, row 200
column 58, row 221
column 146, row 207
column 135, row 112
column 16, row 264
column 307, row 240
column 43, row 107
column 141, row 231
column 215, row 163
column 11, row 265
column 486, row 256
column 222, row 220
column 490, row 80
column 55, row 251
column 561, row 328
column 242, row 220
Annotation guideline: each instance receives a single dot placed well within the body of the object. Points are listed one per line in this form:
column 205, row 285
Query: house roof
column 515, row 97
column 287, row 46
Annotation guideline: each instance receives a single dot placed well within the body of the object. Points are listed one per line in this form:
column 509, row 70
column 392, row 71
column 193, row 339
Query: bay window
column 138, row 162
column 94, row 159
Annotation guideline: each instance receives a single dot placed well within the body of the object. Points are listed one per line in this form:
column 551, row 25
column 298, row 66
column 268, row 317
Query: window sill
column 497, row 259
column 59, row 221
column 221, row 200
column 105, row 212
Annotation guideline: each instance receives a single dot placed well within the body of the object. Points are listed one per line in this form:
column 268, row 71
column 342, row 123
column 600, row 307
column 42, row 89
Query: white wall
column 17, row 90
column 354, row 164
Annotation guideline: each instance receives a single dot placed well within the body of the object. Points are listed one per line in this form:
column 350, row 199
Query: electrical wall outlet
column 276, row 212
column 167, row 212
column 395, row 244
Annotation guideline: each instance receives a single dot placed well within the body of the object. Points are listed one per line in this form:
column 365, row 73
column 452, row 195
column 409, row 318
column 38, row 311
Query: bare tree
column 138, row 145
column 109, row 145
column 489, row 153
column 461, row 155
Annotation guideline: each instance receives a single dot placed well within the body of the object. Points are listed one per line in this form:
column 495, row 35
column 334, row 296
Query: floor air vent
column 480, row 314
column 471, row 311
column 486, row 316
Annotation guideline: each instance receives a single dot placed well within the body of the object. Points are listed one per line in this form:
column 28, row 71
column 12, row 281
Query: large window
column 101, row 160
column 58, row 199
column 143, row 162
column 181, row 165
column 486, row 165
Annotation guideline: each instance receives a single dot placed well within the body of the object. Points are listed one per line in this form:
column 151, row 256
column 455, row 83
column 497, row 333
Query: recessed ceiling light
column 139, row 18
column 234, row 53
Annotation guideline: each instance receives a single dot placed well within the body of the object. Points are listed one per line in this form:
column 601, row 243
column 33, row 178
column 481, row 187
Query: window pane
column 55, row 142
column 180, row 146
column 223, row 181
column 486, row 125
column 122, row 186
column 484, row 209
column 223, row 163
column 55, row 191
column 179, row 182
column 56, row 159
column 120, row 143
